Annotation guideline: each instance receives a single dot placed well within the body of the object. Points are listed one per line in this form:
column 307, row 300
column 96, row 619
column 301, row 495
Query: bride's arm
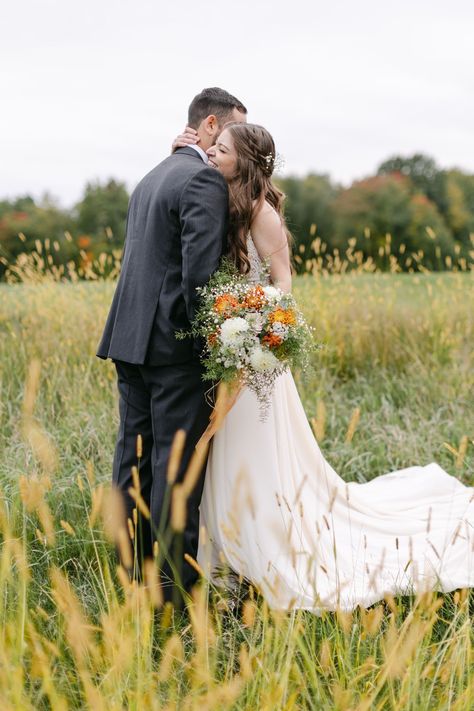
column 271, row 242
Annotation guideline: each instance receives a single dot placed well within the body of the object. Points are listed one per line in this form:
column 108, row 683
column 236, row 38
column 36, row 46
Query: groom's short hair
column 213, row 101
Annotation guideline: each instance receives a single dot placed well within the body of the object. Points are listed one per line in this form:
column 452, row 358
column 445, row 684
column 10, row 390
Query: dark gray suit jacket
column 175, row 236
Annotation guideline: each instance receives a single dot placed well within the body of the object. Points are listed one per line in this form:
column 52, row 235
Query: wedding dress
column 274, row 511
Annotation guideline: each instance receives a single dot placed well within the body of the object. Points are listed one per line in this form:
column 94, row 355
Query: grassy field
column 392, row 386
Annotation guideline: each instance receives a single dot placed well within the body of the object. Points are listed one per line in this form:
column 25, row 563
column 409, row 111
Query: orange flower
column 254, row 298
column 272, row 340
column 285, row 316
column 212, row 339
column 225, row 304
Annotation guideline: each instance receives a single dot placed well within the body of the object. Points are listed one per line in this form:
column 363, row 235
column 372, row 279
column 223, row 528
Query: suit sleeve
column 204, row 208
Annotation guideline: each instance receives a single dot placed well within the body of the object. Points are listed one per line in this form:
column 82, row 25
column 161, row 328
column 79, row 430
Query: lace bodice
column 254, row 275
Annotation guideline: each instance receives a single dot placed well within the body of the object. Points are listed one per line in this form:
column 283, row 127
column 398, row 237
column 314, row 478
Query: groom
column 175, row 235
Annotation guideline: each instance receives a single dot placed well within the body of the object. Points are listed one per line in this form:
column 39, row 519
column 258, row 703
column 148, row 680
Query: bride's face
column 223, row 155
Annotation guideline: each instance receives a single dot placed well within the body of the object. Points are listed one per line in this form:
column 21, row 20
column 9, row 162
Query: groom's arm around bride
column 176, row 231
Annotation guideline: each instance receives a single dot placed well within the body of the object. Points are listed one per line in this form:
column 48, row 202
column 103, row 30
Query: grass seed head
column 176, row 456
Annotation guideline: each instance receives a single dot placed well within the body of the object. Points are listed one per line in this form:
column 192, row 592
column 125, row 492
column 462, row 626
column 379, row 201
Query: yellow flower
column 285, row 316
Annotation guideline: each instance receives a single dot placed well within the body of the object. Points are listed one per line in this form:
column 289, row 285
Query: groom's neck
column 206, row 141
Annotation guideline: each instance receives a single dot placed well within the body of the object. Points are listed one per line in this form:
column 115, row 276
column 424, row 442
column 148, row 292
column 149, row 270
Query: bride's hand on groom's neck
column 189, row 137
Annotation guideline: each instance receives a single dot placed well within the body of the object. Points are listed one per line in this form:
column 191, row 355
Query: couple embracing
column 266, row 504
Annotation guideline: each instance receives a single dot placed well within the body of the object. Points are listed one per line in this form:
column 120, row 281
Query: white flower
column 232, row 331
column 255, row 320
column 272, row 293
column 261, row 360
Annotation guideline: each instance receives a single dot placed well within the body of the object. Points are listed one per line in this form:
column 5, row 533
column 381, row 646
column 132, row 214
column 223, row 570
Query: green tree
column 102, row 213
column 309, row 202
column 427, row 231
column 23, row 222
column 460, row 212
column 424, row 174
column 385, row 205
column 24, row 203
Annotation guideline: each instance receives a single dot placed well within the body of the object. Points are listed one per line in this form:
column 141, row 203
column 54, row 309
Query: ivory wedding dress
column 274, row 511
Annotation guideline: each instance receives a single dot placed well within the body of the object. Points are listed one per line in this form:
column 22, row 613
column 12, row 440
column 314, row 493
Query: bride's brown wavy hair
column 250, row 187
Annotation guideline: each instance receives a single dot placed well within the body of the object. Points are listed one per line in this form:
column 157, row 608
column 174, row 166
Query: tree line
column 410, row 205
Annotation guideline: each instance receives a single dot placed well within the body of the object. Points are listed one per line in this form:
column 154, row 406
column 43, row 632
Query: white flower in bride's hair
column 232, row 331
column 261, row 360
column 271, row 293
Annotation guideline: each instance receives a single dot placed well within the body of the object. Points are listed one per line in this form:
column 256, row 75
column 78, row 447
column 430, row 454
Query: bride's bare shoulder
column 267, row 230
column 266, row 216
column 264, row 208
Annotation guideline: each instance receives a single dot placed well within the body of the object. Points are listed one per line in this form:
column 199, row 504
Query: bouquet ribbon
column 227, row 394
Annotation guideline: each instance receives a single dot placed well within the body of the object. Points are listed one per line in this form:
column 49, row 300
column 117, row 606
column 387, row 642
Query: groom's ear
column 211, row 124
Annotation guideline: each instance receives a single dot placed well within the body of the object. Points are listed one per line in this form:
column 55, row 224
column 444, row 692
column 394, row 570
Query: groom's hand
column 187, row 138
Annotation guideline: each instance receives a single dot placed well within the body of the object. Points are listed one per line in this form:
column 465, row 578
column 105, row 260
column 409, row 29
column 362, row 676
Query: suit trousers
column 154, row 402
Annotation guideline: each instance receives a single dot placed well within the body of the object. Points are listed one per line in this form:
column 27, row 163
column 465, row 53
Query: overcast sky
column 99, row 88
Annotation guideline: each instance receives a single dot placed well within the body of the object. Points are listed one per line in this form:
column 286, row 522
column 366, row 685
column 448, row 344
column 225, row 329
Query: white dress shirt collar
column 199, row 150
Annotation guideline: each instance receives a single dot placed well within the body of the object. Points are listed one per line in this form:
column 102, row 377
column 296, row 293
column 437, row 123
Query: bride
column 273, row 509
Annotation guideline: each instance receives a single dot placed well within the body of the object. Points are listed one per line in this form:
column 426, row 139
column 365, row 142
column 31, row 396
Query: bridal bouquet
column 251, row 333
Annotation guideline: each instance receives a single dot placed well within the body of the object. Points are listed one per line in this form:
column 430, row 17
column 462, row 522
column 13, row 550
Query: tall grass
column 391, row 387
